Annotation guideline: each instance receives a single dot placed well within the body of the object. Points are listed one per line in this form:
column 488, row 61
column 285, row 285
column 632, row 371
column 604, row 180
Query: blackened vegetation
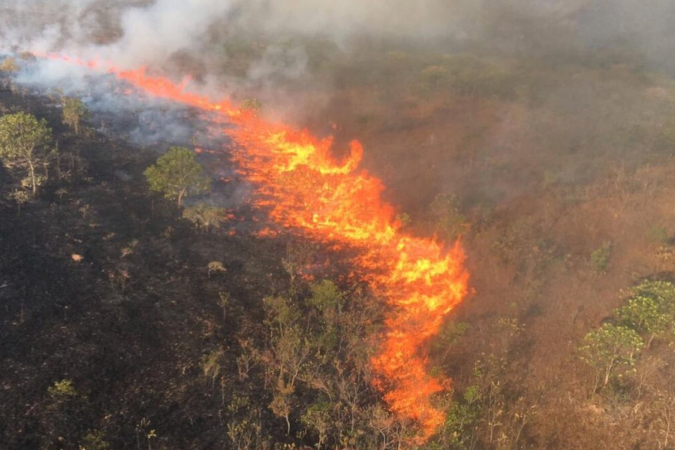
column 110, row 315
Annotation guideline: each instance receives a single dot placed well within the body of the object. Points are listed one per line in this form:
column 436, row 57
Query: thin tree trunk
column 32, row 177
column 180, row 197
column 667, row 420
column 608, row 372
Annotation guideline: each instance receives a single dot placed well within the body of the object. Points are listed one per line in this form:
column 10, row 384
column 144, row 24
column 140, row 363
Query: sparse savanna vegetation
column 148, row 302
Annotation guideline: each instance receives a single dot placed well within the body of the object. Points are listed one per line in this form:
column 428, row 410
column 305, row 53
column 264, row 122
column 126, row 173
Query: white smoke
column 152, row 34
column 133, row 32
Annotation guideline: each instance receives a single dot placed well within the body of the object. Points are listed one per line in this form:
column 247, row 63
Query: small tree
column 205, row 217
column 20, row 197
column 177, row 174
column 73, row 113
column 600, row 258
column 24, row 138
column 644, row 314
column 9, row 66
column 662, row 291
column 611, row 348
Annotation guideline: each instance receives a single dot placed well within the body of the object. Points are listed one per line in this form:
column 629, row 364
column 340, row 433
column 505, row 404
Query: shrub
column 600, row 258
column 611, row 350
column 9, row 66
column 62, row 389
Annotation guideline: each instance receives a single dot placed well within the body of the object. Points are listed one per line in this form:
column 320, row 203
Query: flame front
column 304, row 187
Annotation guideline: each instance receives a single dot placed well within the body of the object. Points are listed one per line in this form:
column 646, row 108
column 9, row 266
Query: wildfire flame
column 303, row 186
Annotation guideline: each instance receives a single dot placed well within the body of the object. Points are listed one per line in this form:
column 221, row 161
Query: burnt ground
column 130, row 327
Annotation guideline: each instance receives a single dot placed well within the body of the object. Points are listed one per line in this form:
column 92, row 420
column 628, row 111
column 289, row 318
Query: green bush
column 177, row 175
column 62, row 389
column 611, row 350
column 600, row 258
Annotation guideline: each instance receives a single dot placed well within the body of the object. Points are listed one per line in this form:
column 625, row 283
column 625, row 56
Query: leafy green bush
column 658, row 235
column 611, row 350
column 94, row 440
column 650, row 310
column 62, row 389
column 600, row 258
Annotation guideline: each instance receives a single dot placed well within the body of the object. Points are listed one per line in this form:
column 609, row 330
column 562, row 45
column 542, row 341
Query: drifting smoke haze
column 145, row 32
column 203, row 38
column 196, row 36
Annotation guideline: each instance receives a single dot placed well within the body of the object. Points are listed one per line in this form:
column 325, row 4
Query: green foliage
column 462, row 418
column 19, row 196
column 320, row 367
column 9, row 66
column 204, row 217
column 662, row 291
column 328, row 301
column 281, row 314
column 467, row 75
column 658, row 235
column 177, row 174
column 650, row 310
column 244, row 428
column 448, row 336
column 74, row 111
column 600, row 258
column 318, row 419
column 611, row 350
column 643, row 314
column 212, row 364
column 62, row 389
column 215, row 267
column 94, row 440
column 326, row 296
column 224, row 300
column 24, row 139
column 446, row 218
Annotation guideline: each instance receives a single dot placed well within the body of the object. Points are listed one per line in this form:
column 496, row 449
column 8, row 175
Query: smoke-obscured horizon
column 134, row 32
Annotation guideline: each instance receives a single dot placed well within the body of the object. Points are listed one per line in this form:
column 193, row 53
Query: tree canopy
column 74, row 111
column 611, row 348
column 24, row 138
column 9, row 65
column 177, row 175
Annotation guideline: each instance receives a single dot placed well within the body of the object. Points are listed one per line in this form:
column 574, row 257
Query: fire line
column 303, row 186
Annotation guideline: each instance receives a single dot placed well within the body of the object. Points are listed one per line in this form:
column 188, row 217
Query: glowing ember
column 303, row 187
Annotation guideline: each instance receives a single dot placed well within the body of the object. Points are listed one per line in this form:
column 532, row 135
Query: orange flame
column 303, row 187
